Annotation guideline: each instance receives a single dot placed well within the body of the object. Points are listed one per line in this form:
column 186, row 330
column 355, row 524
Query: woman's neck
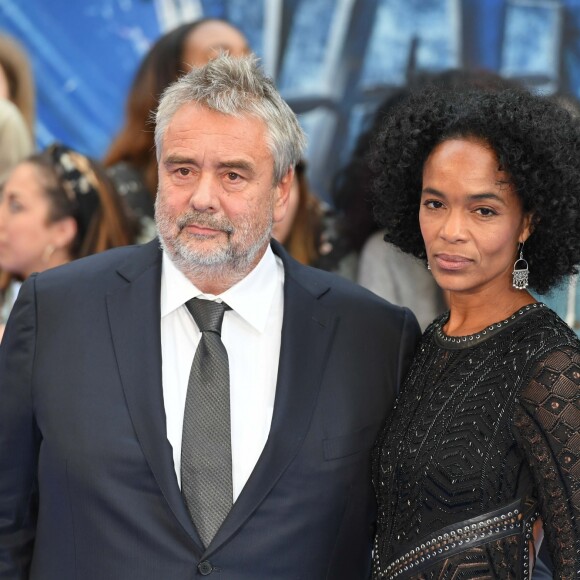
column 56, row 258
column 469, row 314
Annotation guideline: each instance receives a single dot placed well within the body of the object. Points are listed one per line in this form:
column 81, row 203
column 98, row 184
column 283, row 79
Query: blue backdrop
column 332, row 59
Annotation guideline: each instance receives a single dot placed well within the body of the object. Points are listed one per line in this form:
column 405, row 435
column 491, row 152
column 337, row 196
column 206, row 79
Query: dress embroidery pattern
column 483, row 424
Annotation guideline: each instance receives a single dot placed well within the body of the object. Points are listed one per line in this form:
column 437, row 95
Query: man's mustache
column 205, row 221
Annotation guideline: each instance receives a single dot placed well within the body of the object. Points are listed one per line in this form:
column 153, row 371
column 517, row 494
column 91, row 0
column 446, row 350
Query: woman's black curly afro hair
column 537, row 142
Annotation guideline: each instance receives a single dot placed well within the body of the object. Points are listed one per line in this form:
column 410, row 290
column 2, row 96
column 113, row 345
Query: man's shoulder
column 98, row 268
column 336, row 289
column 358, row 309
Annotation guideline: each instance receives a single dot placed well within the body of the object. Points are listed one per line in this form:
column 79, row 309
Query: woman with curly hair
column 481, row 457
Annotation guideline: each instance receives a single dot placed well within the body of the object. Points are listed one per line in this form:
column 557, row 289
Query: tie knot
column 208, row 315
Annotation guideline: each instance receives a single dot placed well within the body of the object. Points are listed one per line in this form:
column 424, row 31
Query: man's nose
column 205, row 193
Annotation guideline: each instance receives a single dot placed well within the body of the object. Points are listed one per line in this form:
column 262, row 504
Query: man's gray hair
column 237, row 87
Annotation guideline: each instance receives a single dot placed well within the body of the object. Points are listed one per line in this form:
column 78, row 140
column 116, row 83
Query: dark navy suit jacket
column 87, row 484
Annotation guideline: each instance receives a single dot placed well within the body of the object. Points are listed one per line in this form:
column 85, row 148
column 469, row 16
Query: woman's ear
column 64, row 232
column 527, row 227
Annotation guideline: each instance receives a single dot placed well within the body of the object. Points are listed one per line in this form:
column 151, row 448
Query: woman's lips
column 452, row 262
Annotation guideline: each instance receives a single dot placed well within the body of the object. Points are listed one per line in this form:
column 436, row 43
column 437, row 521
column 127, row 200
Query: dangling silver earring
column 521, row 271
column 428, row 266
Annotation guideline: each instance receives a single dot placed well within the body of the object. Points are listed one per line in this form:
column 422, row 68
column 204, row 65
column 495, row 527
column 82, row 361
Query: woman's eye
column 433, row 204
column 14, row 206
column 485, row 211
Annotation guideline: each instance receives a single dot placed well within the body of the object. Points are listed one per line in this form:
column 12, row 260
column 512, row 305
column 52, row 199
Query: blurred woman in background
column 16, row 80
column 300, row 230
column 55, row 206
column 15, row 139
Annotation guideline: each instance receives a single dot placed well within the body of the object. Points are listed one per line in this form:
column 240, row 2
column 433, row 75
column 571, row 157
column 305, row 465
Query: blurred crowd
column 57, row 205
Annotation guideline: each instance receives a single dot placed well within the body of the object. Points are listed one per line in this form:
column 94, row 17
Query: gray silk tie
column 206, row 449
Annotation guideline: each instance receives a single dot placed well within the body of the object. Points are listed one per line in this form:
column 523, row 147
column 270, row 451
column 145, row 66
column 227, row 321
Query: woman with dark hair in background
column 130, row 160
column 55, row 207
column 301, row 228
column 393, row 275
column 479, row 459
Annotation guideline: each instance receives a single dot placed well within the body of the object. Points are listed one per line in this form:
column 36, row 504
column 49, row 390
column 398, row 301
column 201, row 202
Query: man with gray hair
column 201, row 405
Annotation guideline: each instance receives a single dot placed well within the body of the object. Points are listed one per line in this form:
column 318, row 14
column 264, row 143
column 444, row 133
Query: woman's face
column 207, row 40
column 4, row 84
column 282, row 229
column 26, row 236
column 471, row 218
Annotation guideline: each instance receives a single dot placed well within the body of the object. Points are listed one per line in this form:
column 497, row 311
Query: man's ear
column 282, row 195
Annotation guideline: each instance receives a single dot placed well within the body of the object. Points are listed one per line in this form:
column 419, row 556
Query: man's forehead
column 194, row 110
column 193, row 124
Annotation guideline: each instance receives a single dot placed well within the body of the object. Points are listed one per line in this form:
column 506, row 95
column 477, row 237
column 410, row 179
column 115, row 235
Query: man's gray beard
column 232, row 262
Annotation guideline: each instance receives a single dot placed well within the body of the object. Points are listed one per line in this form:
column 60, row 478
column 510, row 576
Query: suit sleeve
column 19, row 440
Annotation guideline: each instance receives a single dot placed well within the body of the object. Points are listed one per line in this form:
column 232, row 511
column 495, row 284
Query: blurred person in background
column 358, row 248
column 130, row 160
column 55, row 207
column 397, row 277
column 300, row 229
column 16, row 79
column 15, row 139
column 565, row 299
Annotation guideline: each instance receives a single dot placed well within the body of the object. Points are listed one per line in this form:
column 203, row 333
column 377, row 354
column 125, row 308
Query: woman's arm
column 548, row 426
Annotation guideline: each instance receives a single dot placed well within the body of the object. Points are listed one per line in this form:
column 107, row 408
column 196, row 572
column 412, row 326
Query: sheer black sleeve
column 548, row 428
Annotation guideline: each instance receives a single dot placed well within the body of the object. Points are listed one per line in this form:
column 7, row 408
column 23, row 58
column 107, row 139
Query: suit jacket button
column 205, row 568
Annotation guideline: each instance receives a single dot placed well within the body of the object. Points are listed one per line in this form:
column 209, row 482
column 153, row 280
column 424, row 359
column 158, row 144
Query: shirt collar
column 251, row 297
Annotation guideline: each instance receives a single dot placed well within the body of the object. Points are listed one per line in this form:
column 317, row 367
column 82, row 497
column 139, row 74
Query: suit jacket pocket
column 350, row 444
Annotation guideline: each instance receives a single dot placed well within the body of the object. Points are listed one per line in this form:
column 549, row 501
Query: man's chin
column 202, row 259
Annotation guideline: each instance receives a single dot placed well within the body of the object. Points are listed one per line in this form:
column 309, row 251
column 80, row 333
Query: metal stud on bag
column 521, row 271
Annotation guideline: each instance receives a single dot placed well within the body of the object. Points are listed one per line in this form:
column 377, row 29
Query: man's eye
column 184, row 171
column 232, row 176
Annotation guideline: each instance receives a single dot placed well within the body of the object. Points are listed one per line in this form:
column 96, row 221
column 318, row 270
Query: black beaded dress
column 484, row 439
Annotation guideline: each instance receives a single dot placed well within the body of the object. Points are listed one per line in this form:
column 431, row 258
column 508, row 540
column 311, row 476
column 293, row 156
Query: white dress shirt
column 251, row 333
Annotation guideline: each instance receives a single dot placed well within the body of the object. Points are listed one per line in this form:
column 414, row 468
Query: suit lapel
column 134, row 317
column 307, row 333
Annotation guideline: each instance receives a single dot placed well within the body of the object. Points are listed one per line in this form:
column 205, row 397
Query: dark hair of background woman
column 162, row 66
column 537, row 143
